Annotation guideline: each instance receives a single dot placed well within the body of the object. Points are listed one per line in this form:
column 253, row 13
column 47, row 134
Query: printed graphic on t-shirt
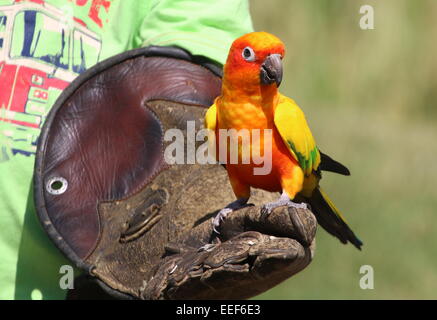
column 42, row 49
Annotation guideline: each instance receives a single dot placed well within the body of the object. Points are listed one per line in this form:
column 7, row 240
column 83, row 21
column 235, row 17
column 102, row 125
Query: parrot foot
column 267, row 208
column 218, row 219
column 223, row 213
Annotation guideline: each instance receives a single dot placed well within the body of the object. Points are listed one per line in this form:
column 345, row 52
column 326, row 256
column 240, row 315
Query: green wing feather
column 293, row 128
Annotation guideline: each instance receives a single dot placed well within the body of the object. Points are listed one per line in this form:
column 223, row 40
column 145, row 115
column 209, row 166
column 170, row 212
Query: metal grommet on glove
column 56, row 185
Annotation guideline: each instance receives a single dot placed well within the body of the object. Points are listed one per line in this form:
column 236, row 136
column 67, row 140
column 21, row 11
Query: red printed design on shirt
column 42, row 49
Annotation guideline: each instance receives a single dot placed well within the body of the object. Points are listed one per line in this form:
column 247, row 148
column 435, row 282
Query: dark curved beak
column 271, row 70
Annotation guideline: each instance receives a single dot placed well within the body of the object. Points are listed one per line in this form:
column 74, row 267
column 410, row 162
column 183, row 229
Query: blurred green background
column 370, row 100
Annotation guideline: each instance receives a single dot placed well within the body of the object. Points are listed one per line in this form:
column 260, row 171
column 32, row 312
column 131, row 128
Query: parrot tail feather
column 329, row 164
column 331, row 219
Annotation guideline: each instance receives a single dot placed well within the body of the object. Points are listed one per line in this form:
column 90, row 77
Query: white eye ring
column 248, row 54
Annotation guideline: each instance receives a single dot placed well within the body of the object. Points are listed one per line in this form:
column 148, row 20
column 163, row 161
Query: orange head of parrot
column 255, row 60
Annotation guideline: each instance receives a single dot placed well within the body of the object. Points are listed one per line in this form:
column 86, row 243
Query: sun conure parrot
column 250, row 100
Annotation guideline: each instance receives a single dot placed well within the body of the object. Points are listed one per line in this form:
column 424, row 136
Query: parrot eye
column 248, row 54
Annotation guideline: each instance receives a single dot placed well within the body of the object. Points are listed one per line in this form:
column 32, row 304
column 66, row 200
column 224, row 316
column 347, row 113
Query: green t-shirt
column 44, row 45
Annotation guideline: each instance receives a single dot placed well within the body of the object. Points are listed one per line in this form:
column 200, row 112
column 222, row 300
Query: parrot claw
column 237, row 204
column 267, row 208
column 218, row 219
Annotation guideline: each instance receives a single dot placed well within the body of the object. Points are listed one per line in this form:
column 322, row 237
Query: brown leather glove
column 139, row 227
